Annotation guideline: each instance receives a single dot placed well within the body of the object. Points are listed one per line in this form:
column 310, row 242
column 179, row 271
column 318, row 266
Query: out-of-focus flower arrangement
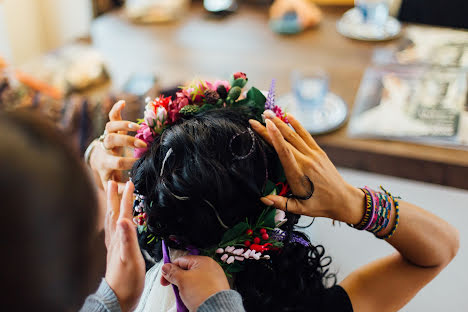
column 201, row 96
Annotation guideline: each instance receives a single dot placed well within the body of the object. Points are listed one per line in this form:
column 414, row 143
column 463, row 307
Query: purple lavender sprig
column 270, row 101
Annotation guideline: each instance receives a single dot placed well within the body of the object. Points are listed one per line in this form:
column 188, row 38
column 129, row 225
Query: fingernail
column 109, row 184
column 133, row 126
column 269, row 123
column 254, row 123
column 269, row 114
column 267, row 201
column 121, row 102
column 140, row 144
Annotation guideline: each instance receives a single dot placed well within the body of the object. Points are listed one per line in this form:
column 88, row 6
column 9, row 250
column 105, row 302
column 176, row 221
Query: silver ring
column 102, row 138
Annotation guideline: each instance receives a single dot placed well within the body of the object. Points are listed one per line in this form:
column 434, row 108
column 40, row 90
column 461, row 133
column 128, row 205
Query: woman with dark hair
column 207, row 173
column 52, row 255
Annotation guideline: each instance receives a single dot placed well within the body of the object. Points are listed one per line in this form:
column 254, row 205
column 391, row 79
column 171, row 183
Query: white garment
column 155, row 297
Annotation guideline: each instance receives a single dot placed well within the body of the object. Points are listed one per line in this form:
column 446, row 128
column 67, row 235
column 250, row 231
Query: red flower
column 240, row 75
column 284, row 189
column 261, row 248
column 161, row 101
column 182, row 99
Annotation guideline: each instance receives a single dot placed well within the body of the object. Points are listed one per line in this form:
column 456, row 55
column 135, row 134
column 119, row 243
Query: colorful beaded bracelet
column 377, row 214
column 397, row 216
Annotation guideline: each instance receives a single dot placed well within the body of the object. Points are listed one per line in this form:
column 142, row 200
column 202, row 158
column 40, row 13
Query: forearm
column 423, row 238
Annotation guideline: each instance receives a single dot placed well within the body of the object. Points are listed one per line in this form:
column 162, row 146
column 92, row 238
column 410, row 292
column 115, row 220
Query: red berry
column 247, row 243
column 144, row 215
column 265, row 236
column 262, row 231
column 141, row 221
column 257, row 240
column 249, row 232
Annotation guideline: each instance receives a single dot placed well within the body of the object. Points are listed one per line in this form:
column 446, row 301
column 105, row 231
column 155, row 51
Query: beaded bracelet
column 397, row 215
column 378, row 207
column 366, row 219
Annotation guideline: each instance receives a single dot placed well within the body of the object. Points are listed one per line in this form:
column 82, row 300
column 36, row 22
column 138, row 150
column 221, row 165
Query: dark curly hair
column 217, row 165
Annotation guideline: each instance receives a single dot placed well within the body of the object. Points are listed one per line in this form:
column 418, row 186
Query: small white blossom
column 230, row 249
column 238, row 252
column 230, row 260
column 219, row 250
column 224, row 257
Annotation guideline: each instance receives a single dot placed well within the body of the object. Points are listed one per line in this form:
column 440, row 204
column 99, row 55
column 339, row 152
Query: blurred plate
column 317, row 120
column 351, row 25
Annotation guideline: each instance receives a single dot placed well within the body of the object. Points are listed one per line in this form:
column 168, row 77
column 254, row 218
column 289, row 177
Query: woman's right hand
column 107, row 159
column 303, row 159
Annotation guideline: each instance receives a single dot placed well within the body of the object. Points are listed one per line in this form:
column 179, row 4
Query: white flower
column 238, row 252
column 239, row 258
column 256, row 256
column 230, row 249
column 247, row 253
column 219, row 250
column 280, row 217
column 267, row 257
column 224, row 257
column 230, row 260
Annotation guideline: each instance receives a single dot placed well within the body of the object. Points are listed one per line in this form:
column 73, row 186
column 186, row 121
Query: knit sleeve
column 104, row 300
column 223, row 301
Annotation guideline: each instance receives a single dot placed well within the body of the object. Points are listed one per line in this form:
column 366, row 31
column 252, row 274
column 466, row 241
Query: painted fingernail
column 132, row 125
column 269, row 114
column 266, row 201
column 269, row 123
column 140, row 144
column 253, row 122
column 109, row 184
column 120, row 102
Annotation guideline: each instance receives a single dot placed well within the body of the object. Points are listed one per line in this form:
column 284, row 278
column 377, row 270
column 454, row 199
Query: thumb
column 283, row 203
column 172, row 273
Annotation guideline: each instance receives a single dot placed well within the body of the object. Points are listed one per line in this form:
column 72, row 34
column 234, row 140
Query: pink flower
column 150, row 115
column 214, row 86
column 240, row 75
column 280, row 217
column 145, row 134
column 182, row 99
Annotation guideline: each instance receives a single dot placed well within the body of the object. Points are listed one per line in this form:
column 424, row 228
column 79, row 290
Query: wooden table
column 207, row 47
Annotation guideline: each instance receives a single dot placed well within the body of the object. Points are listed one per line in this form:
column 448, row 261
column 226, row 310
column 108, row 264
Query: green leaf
column 270, row 218
column 256, row 101
column 239, row 82
column 206, row 107
column 257, row 96
column 237, row 231
column 270, row 187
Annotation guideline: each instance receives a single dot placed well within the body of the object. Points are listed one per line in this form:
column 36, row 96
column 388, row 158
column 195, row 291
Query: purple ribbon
column 179, row 303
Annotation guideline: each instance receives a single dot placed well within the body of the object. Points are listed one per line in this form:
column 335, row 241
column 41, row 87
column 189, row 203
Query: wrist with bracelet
column 378, row 208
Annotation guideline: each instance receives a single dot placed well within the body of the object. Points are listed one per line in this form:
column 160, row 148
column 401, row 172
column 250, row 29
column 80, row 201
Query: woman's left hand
column 319, row 188
column 125, row 269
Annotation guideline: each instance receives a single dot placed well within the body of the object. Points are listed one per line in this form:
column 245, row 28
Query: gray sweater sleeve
column 104, row 300
column 223, row 301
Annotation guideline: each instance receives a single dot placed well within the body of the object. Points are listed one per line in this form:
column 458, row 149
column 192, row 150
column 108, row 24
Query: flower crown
column 247, row 240
column 201, row 96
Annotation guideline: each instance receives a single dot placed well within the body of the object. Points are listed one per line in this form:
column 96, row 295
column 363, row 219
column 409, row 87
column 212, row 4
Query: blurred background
column 381, row 84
